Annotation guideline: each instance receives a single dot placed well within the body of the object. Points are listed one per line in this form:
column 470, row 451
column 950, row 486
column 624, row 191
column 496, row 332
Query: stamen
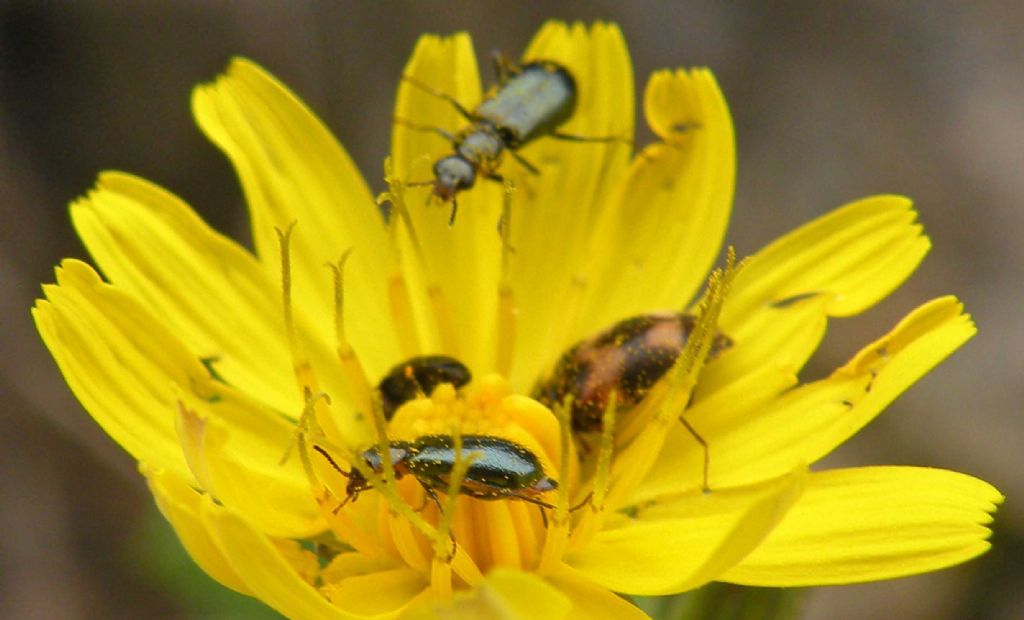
column 380, row 425
column 435, row 294
column 441, row 579
column 505, row 224
column 398, row 292
column 565, row 442
column 445, row 546
column 402, row 315
column 459, row 470
column 304, row 375
column 396, row 196
column 445, row 319
column 684, row 373
column 351, row 367
column 507, row 321
column 507, row 310
column 672, row 395
column 308, row 425
column 303, row 369
column 590, row 523
column 604, row 455
column 557, row 538
column 563, row 324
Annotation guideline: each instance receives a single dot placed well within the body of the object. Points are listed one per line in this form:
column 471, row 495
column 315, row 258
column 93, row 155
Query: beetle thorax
column 483, row 146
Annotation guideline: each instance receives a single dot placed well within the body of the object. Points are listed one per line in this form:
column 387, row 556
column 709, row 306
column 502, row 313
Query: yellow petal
column 505, row 594
column 240, row 447
column 837, row 265
column 120, row 361
column 686, row 541
column 263, row 567
column 179, row 503
column 293, row 170
column 810, row 421
column 461, row 262
column 592, row 602
column 872, row 523
column 576, row 177
column 848, row 253
column 680, row 463
column 214, row 294
column 666, row 218
column 377, row 594
column 554, row 212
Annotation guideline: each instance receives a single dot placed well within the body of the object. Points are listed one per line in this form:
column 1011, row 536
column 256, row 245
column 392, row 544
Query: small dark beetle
column 530, row 101
column 501, row 470
column 627, row 358
column 418, row 377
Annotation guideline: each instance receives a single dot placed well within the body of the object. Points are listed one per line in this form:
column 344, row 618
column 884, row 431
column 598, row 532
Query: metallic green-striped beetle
column 501, row 469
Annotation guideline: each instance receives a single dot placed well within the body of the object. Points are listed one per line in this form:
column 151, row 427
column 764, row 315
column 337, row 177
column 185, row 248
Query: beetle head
column 357, row 482
column 452, row 175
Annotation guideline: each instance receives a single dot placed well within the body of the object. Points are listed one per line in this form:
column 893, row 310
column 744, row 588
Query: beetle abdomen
column 627, row 359
column 533, row 102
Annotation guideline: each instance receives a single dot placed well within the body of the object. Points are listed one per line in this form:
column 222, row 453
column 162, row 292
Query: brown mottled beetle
column 627, row 358
column 419, row 376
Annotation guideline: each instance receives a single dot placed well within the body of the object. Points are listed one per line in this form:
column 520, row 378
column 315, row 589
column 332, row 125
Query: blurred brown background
column 831, row 102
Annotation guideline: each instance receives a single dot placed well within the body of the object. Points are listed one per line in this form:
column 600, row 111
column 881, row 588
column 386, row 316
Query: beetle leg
column 583, row 443
column 524, row 163
column 422, row 505
column 707, row 452
column 583, row 502
column 504, row 67
column 431, row 494
column 571, row 137
column 447, row 135
column 441, row 95
column 350, row 497
column 455, row 208
column 527, row 498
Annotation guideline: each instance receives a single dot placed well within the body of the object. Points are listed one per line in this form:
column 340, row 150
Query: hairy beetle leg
column 427, row 88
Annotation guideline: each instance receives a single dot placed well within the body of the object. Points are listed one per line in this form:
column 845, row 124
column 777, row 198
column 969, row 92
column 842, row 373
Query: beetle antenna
column 455, row 207
column 334, row 464
column 350, row 497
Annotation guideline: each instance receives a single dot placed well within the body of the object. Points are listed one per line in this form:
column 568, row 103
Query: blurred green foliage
column 723, row 601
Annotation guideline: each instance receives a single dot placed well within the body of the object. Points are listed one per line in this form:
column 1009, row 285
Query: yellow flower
column 197, row 357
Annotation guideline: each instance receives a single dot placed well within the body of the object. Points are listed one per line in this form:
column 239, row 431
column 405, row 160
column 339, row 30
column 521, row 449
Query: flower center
column 507, row 494
column 499, row 518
